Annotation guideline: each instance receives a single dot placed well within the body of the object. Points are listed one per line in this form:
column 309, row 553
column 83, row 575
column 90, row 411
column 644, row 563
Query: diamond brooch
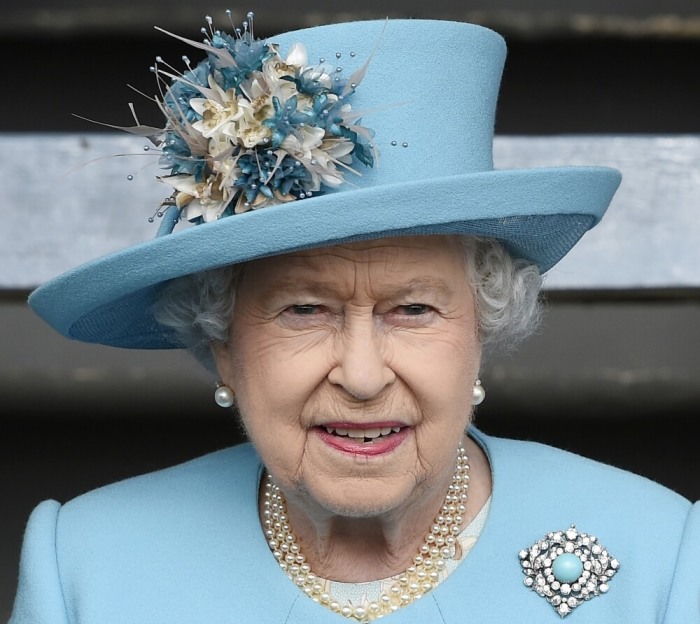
column 567, row 568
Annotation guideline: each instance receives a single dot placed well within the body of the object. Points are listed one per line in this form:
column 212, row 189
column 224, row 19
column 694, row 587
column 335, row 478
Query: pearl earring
column 478, row 393
column 223, row 395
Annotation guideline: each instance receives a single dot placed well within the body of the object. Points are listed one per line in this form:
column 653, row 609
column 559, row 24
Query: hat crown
column 430, row 92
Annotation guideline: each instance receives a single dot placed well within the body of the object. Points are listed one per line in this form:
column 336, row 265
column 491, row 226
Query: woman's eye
column 304, row 309
column 414, row 309
column 305, row 316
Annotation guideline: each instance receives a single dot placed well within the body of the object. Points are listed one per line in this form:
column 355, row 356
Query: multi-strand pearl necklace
column 428, row 569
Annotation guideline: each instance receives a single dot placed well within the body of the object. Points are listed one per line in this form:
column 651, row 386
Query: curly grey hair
column 199, row 307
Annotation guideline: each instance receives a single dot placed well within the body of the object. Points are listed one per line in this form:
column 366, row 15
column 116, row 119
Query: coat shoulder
column 227, row 477
column 568, row 472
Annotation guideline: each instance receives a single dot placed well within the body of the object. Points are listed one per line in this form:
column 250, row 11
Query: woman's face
column 353, row 369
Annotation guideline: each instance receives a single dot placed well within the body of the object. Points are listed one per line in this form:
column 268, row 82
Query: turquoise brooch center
column 567, row 568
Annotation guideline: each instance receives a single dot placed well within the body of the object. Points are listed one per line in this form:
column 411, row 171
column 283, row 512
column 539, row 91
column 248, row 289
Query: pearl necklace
column 428, row 567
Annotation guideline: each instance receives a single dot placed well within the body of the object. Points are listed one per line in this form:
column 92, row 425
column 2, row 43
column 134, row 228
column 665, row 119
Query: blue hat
column 263, row 170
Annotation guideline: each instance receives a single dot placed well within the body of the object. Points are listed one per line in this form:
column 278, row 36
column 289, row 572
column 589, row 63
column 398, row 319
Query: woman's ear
column 221, row 352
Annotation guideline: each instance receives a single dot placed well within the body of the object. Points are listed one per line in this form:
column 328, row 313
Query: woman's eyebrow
column 420, row 285
column 301, row 285
column 315, row 285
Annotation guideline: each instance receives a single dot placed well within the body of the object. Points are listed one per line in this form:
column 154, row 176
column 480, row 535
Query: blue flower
column 248, row 54
column 178, row 96
column 177, row 156
column 261, row 175
column 309, row 82
column 286, row 119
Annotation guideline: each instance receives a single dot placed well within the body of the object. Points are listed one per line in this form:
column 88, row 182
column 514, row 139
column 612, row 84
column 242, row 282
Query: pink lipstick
column 367, row 439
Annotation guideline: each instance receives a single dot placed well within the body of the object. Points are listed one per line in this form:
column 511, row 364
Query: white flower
column 254, row 134
column 301, row 144
column 339, row 149
column 218, row 112
column 250, row 131
column 330, row 152
column 273, row 72
column 207, row 199
column 297, row 55
column 219, row 145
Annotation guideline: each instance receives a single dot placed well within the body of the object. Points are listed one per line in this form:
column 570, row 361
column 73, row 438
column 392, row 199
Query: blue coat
column 184, row 545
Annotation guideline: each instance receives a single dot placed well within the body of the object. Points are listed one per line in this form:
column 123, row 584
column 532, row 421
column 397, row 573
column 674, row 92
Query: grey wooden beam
column 650, row 237
column 68, row 198
column 671, row 18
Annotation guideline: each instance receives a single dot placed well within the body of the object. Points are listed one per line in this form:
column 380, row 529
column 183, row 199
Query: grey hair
column 199, row 307
column 506, row 293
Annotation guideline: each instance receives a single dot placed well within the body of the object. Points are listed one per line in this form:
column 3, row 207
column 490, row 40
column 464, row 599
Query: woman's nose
column 361, row 365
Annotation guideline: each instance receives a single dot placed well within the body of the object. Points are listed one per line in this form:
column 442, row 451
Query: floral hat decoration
column 246, row 128
column 265, row 148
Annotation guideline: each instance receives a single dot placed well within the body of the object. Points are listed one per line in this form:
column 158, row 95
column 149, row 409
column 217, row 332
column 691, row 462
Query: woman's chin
column 361, row 498
column 359, row 479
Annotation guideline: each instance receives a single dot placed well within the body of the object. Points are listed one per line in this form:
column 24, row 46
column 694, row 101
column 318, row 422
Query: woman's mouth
column 367, row 436
column 374, row 439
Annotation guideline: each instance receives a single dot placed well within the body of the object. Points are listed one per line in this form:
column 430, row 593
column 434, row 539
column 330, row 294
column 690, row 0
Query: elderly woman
column 345, row 305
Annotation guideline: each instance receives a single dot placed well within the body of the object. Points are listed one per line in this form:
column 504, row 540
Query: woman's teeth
column 366, row 435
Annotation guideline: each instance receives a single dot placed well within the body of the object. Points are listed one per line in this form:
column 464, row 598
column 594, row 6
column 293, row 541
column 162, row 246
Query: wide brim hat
column 429, row 94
